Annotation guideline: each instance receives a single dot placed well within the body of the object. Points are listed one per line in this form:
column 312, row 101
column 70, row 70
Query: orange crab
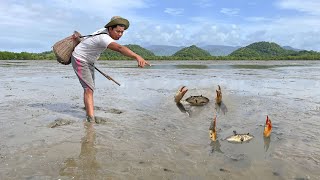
column 180, row 93
column 267, row 128
column 218, row 95
column 212, row 129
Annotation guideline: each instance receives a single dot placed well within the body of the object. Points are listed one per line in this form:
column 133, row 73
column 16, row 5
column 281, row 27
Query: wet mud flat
column 146, row 136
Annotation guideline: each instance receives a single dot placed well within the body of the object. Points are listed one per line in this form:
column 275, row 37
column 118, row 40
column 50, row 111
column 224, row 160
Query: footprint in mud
column 114, row 111
column 101, row 120
column 236, row 157
column 107, row 110
column 168, row 170
column 60, row 122
column 224, row 170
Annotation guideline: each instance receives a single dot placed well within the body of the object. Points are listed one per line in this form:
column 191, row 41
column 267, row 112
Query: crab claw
column 218, row 95
column 180, row 93
column 212, row 129
column 267, row 128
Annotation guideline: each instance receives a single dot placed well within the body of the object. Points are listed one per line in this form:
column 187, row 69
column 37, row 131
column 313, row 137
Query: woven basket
column 63, row 49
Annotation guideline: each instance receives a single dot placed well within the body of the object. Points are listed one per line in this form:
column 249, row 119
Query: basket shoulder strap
column 93, row 35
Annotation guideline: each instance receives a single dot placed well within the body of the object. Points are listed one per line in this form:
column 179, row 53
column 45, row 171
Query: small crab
column 192, row 100
column 239, row 138
column 218, row 95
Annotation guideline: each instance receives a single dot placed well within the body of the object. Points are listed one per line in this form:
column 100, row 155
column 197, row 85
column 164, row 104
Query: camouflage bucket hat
column 118, row 20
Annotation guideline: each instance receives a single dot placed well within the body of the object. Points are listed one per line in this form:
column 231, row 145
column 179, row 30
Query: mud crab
column 192, row 100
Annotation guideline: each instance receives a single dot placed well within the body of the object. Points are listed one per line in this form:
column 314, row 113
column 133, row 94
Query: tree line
column 254, row 51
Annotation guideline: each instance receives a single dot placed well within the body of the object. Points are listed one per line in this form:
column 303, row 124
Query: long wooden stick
column 108, row 77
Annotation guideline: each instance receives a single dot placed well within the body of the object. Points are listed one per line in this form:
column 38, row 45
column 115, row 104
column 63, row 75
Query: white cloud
column 57, row 12
column 35, row 26
column 306, row 6
column 48, row 21
column 257, row 19
column 300, row 32
column 174, row 11
column 163, row 34
column 103, row 8
column 293, row 31
column 204, row 3
column 230, row 11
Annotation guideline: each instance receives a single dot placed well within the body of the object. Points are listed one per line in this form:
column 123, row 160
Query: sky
column 35, row 25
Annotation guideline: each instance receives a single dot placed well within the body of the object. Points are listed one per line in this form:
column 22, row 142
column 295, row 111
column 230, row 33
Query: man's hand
column 142, row 62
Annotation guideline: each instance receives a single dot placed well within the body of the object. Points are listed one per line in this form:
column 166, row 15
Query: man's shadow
column 86, row 165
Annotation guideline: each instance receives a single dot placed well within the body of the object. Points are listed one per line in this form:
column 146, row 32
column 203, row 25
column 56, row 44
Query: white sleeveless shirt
column 89, row 49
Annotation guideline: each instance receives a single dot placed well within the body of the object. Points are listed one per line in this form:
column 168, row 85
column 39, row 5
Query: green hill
column 192, row 52
column 110, row 55
column 272, row 51
column 261, row 49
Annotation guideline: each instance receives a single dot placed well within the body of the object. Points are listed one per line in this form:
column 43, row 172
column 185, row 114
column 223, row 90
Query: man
column 87, row 52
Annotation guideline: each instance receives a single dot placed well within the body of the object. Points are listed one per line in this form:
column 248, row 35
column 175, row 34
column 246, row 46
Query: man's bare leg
column 88, row 102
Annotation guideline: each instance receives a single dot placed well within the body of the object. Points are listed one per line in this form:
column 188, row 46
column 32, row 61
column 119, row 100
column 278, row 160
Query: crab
column 218, row 95
column 239, row 138
column 267, row 128
column 212, row 129
column 192, row 100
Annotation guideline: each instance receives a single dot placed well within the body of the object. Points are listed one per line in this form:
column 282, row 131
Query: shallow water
column 146, row 136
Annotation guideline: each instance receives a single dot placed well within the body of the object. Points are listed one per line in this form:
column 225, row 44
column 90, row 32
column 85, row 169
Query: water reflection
column 178, row 66
column 221, row 107
column 209, row 66
column 258, row 66
column 266, row 143
column 216, row 146
column 191, row 111
column 86, row 166
column 182, row 108
column 14, row 63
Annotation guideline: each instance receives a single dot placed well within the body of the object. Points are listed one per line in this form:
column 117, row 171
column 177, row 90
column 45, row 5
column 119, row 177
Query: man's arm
column 127, row 52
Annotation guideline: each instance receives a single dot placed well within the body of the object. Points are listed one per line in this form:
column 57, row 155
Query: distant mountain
column 214, row 50
column 291, row 48
column 219, row 50
column 192, row 52
column 163, row 50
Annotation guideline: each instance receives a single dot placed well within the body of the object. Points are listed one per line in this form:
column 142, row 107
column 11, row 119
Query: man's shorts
column 84, row 71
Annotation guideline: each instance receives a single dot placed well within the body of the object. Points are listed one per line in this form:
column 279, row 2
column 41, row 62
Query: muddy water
column 146, row 136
